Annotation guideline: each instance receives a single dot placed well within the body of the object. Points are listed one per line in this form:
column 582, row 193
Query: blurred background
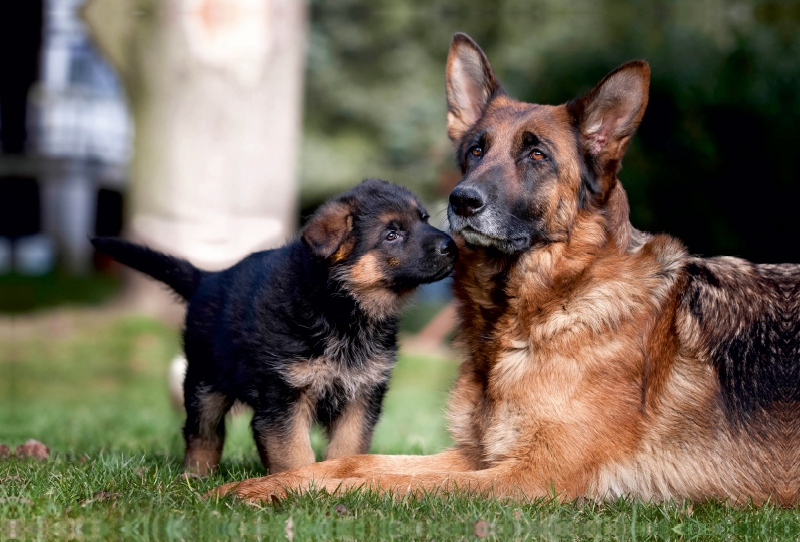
column 213, row 128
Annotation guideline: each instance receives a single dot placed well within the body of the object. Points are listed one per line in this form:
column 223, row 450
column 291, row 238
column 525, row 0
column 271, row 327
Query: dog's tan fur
column 589, row 369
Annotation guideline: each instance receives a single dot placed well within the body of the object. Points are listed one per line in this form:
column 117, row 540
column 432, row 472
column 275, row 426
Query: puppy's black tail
column 176, row 273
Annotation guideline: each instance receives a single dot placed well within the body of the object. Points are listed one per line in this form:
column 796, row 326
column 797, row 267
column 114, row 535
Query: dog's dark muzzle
column 434, row 258
column 467, row 201
column 483, row 224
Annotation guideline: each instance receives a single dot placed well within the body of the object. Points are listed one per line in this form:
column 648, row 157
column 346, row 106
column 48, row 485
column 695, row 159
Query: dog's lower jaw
column 510, row 246
column 475, row 238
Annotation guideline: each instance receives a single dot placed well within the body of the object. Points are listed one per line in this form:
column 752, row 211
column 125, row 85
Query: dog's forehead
column 507, row 120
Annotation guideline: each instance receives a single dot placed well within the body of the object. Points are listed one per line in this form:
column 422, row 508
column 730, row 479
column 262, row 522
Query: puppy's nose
column 467, row 201
column 446, row 247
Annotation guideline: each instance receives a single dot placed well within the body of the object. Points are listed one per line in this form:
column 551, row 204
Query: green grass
column 98, row 398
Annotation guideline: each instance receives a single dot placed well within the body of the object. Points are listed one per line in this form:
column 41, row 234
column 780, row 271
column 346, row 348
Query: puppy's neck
column 375, row 301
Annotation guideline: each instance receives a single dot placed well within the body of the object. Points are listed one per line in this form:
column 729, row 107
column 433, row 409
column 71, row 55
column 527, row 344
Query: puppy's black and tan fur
column 303, row 333
column 599, row 360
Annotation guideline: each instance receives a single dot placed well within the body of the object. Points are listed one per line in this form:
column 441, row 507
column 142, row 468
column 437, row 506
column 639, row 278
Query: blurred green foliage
column 714, row 161
column 19, row 293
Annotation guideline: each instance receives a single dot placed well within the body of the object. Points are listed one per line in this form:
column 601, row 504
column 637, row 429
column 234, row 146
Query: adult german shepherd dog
column 600, row 360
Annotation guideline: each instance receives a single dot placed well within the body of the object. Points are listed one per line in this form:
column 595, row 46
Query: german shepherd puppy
column 301, row 333
column 600, row 360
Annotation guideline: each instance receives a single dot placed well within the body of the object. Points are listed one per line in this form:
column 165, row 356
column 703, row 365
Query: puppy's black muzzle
column 439, row 255
column 446, row 247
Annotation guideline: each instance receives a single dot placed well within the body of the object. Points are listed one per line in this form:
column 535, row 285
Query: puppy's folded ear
column 328, row 228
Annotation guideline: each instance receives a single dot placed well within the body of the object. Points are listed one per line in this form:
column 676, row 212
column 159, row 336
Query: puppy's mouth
column 509, row 245
column 405, row 284
column 442, row 273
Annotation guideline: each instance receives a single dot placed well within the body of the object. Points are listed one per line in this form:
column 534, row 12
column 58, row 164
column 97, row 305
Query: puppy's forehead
column 405, row 211
column 393, row 205
column 399, row 217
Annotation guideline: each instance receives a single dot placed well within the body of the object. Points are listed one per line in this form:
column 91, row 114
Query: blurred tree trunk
column 215, row 89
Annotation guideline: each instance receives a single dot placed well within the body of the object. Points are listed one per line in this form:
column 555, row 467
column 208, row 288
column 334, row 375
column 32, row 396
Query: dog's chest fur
column 555, row 352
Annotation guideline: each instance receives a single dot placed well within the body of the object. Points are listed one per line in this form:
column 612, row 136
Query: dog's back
column 747, row 322
column 260, row 305
column 748, row 318
column 719, row 388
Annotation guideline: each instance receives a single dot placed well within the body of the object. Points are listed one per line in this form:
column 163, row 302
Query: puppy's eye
column 537, row 155
column 476, row 151
column 392, row 236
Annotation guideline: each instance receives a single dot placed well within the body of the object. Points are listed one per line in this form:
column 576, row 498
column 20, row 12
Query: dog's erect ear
column 328, row 228
column 609, row 113
column 470, row 83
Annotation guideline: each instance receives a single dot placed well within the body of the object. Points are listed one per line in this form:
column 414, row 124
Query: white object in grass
column 175, row 378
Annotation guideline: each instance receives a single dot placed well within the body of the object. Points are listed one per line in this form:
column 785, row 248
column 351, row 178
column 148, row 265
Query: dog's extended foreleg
column 502, row 480
column 353, row 471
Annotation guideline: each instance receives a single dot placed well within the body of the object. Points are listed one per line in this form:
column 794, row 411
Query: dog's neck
column 482, row 274
column 617, row 213
column 497, row 291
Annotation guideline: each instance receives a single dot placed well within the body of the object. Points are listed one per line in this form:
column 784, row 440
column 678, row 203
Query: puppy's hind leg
column 204, row 431
column 350, row 431
column 283, row 436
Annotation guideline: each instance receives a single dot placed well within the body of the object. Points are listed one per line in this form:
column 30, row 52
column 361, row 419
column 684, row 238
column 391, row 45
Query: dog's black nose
column 446, row 247
column 467, row 201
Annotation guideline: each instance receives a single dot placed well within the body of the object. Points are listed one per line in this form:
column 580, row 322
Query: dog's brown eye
column 536, row 154
column 392, row 236
column 476, row 151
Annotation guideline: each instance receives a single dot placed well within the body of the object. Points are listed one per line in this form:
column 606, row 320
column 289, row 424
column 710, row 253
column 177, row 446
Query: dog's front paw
column 257, row 490
column 222, row 490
